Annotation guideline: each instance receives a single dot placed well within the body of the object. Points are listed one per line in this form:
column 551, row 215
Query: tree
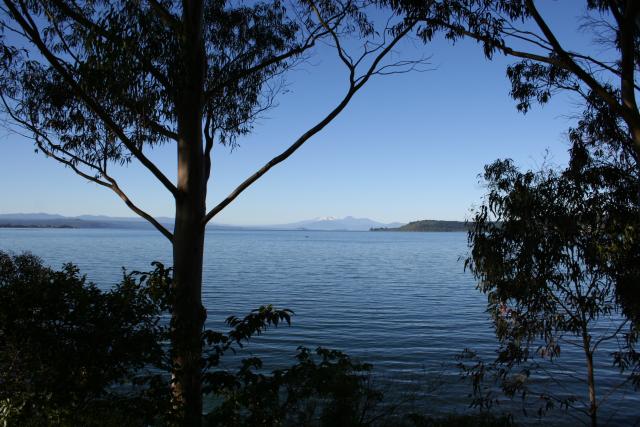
column 97, row 83
column 605, row 79
column 518, row 29
column 549, row 249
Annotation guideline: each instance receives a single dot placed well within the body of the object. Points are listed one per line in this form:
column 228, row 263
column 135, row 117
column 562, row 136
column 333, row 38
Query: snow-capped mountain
column 348, row 223
column 326, row 223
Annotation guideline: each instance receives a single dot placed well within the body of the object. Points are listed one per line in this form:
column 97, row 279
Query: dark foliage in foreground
column 331, row 391
column 73, row 354
column 475, row 420
column 557, row 253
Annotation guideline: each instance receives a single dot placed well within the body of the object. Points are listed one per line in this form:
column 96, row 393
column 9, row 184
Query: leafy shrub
column 71, row 353
column 330, row 391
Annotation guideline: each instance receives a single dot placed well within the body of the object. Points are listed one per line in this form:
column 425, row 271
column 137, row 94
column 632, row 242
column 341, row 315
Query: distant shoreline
column 51, row 221
column 429, row 225
column 35, row 226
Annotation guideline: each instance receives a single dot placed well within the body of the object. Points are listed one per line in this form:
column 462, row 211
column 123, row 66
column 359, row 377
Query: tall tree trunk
column 188, row 313
column 628, row 29
column 591, row 382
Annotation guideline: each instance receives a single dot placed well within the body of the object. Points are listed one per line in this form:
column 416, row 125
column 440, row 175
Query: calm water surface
column 400, row 301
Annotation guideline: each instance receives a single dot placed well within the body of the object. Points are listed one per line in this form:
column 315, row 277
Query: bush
column 73, row 354
column 328, row 389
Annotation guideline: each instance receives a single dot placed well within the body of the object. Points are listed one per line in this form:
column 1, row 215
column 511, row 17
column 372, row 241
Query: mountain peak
column 325, row 218
column 348, row 223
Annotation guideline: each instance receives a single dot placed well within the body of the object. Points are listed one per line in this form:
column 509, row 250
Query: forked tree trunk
column 188, row 314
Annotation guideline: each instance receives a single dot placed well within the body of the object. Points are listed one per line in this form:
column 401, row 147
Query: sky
column 408, row 147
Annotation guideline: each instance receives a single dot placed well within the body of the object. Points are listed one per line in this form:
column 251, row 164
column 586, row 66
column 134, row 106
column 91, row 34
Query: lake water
column 401, row 301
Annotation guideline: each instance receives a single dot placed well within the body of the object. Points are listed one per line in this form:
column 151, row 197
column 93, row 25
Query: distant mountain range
column 330, row 223
column 43, row 220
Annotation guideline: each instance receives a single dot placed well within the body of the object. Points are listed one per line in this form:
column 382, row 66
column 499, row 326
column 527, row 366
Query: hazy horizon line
column 317, row 218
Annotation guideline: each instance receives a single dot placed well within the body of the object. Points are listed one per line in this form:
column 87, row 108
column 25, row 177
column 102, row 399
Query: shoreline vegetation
column 415, row 226
column 35, row 226
column 429, row 225
column 318, row 224
column 97, row 85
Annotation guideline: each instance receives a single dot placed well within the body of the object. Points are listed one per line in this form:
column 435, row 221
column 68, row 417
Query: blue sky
column 408, row 147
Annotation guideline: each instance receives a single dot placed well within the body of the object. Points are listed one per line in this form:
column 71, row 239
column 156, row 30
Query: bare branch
column 282, row 156
column 360, row 81
column 72, row 162
column 30, row 28
column 525, row 35
column 114, row 186
column 403, row 67
column 342, row 54
column 354, row 86
column 67, row 162
column 610, row 336
column 111, row 184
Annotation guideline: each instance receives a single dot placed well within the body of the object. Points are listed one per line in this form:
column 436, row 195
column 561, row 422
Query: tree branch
column 282, row 156
column 630, row 116
column 164, row 15
column 344, row 57
column 111, row 184
column 309, row 43
column 354, row 86
column 30, row 28
column 116, row 188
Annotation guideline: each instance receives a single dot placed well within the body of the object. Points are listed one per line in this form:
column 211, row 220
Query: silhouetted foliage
column 552, row 242
column 605, row 66
column 72, row 354
column 549, row 249
column 601, row 163
column 97, row 84
column 474, row 420
column 333, row 391
column 427, row 225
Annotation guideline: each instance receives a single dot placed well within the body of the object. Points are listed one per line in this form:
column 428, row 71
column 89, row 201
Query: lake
column 401, row 301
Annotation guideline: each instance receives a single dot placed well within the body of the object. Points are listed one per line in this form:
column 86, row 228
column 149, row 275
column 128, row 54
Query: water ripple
column 401, row 301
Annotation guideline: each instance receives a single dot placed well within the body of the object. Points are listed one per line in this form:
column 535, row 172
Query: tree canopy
column 606, row 67
column 558, row 256
column 100, row 83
